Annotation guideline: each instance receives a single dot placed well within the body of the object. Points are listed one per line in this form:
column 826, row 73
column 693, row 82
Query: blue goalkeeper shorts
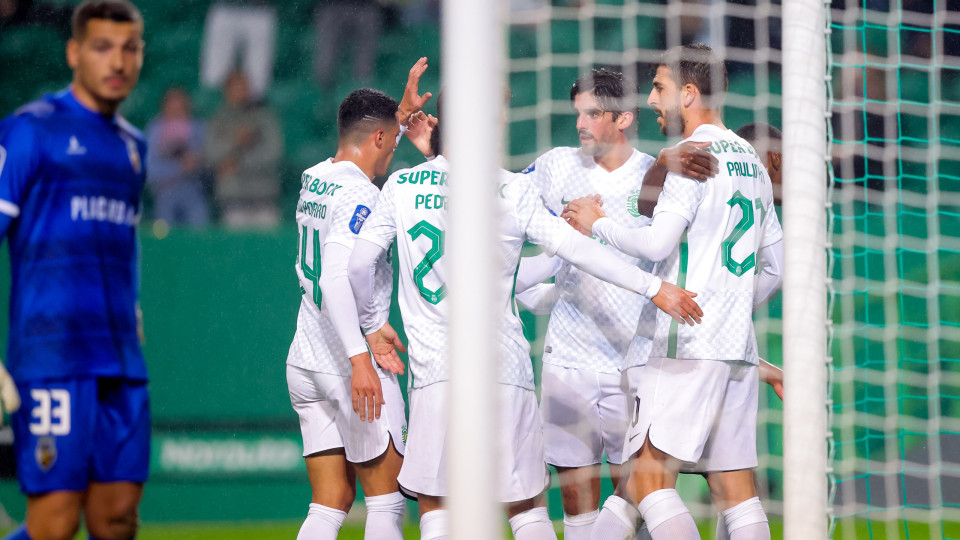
column 68, row 433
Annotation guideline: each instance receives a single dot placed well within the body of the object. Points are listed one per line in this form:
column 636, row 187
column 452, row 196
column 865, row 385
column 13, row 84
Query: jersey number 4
column 433, row 255
column 311, row 272
column 747, row 220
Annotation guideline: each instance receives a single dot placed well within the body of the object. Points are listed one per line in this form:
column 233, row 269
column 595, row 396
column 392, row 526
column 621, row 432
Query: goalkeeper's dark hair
column 365, row 111
column 111, row 10
column 616, row 93
column 762, row 136
column 699, row 65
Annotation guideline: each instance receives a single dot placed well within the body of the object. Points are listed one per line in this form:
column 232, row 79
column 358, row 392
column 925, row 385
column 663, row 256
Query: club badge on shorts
column 45, row 453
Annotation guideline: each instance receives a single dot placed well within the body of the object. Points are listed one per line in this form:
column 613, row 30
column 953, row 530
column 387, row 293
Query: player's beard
column 673, row 123
column 591, row 146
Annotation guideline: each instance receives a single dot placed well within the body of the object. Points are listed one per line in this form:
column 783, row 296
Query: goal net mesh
column 894, row 220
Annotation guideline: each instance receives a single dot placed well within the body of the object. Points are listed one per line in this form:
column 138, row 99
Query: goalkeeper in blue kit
column 71, row 181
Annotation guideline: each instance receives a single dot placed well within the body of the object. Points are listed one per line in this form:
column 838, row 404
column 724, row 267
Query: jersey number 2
column 426, row 265
column 746, row 221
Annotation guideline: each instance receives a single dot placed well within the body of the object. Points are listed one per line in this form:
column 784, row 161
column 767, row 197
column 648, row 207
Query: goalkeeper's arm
column 9, row 398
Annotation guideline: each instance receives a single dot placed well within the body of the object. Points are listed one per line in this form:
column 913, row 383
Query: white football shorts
column 585, row 414
column 702, row 412
column 328, row 421
column 522, row 472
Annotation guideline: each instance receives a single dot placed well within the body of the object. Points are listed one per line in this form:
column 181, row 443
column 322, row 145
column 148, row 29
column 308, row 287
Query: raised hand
column 366, row 392
column 384, row 344
column 690, row 159
column 678, row 303
column 582, row 213
column 419, row 130
column 412, row 101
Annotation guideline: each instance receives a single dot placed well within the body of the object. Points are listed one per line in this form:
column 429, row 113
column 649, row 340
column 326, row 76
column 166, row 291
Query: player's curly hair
column 111, row 10
column 365, row 110
column 616, row 93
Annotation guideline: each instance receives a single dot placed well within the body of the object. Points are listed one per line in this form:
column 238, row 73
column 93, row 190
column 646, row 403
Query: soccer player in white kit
column 412, row 211
column 583, row 401
column 351, row 414
column 696, row 403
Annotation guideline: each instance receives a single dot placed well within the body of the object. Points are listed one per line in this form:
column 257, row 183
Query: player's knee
column 62, row 526
column 119, row 524
column 338, row 499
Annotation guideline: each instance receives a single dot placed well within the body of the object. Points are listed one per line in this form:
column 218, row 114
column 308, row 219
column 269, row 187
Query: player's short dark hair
column 615, row 92
column 365, row 110
column 111, row 10
column 436, row 140
column 699, row 65
column 762, row 136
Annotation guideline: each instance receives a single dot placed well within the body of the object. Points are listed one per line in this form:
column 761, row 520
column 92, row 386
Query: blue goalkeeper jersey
column 71, row 182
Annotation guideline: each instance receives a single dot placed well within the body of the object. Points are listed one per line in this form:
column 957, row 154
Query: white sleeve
column 654, row 242
column 338, row 299
column 770, row 262
column 591, row 257
column 534, row 270
column 362, row 272
column 381, row 227
column 539, row 299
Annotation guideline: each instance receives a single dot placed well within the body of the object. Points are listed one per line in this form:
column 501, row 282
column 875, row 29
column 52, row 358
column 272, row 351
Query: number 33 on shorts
column 50, row 414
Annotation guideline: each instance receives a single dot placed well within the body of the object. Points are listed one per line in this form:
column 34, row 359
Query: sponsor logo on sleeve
column 359, row 216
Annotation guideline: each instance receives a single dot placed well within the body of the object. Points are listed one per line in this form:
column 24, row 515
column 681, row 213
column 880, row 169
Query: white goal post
column 805, row 430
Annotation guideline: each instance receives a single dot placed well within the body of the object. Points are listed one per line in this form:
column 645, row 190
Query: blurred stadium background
column 220, row 305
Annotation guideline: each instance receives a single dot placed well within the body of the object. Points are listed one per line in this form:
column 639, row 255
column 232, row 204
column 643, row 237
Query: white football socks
column 578, row 527
column 433, row 525
column 618, row 520
column 322, row 523
column 534, row 524
column 667, row 517
column 745, row 521
column 385, row 516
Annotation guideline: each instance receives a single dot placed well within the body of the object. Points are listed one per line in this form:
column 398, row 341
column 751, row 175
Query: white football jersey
column 412, row 210
column 593, row 322
column 335, row 201
column 731, row 217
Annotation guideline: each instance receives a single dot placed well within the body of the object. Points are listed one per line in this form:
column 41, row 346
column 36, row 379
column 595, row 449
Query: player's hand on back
column 419, row 130
column 690, row 159
column 412, row 101
column 365, row 389
column 384, row 344
column 9, row 397
column 773, row 376
column 583, row 212
column 678, row 303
